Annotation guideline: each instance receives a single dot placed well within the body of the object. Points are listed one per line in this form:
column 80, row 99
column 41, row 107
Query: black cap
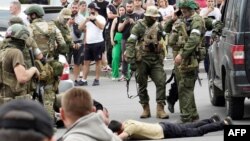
column 26, row 115
column 94, row 6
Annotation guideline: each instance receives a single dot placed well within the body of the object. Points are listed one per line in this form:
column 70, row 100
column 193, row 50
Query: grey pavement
column 113, row 95
column 168, row 66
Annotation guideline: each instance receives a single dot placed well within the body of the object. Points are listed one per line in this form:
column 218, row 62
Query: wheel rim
column 211, row 90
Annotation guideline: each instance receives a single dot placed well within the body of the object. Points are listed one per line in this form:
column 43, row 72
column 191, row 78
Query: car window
column 235, row 16
column 247, row 19
column 228, row 13
column 4, row 18
column 51, row 13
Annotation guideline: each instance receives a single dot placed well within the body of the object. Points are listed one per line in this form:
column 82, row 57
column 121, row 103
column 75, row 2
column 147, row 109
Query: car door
column 224, row 43
column 246, row 27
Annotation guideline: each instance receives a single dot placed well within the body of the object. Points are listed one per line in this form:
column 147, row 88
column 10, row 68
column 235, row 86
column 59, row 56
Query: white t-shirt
column 93, row 33
column 24, row 18
column 78, row 19
column 167, row 11
column 216, row 13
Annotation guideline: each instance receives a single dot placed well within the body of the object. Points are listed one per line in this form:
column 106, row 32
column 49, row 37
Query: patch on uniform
column 196, row 31
column 132, row 36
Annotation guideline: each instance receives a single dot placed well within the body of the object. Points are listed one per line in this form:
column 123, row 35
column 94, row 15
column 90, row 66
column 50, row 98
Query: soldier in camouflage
column 175, row 29
column 61, row 24
column 51, row 42
column 14, row 75
column 187, row 60
column 144, row 51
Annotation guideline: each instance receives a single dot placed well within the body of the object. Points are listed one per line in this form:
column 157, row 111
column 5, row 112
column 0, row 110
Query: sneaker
column 76, row 83
column 122, row 78
column 228, row 121
column 114, row 79
column 82, row 83
column 96, row 83
column 215, row 118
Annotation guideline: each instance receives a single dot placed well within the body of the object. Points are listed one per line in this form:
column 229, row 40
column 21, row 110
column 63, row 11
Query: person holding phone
column 93, row 27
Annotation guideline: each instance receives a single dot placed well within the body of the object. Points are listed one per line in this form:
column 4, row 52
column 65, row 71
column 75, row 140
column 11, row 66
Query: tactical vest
column 150, row 43
column 47, row 44
column 9, row 86
column 192, row 62
column 45, row 41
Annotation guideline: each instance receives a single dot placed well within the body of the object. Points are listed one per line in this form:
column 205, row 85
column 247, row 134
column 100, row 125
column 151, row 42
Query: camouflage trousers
column 186, row 86
column 153, row 68
column 49, row 97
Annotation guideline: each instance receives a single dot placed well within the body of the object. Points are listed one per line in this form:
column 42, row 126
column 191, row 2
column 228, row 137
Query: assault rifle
column 127, row 85
column 37, row 93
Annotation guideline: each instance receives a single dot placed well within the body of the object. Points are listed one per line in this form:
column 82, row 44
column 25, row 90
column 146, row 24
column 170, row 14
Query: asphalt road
column 113, row 95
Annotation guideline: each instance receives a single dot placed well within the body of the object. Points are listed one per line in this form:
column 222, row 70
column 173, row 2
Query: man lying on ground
column 132, row 129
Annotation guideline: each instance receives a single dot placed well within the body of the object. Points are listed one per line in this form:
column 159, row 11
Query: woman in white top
column 165, row 9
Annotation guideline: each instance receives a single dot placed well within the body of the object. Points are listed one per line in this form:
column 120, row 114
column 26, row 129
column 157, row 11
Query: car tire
column 234, row 105
column 216, row 95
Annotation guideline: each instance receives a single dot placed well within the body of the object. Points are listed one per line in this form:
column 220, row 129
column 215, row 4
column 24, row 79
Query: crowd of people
column 120, row 36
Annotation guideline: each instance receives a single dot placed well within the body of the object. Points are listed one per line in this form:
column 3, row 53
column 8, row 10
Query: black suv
column 229, row 74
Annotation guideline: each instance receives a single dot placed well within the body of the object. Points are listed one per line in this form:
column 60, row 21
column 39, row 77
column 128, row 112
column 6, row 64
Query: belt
column 78, row 41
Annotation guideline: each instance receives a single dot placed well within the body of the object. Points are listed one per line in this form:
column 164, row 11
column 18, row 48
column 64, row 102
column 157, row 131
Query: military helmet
column 152, row 11
column 66, row 13
column 191, row 4
column 15, row 20
column 18, row 31
column 35, row 9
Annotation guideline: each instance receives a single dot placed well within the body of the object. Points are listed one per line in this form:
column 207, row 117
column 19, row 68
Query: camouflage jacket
column 144, row 41
column 66, row 35
column 48, row 37
column 195, row 29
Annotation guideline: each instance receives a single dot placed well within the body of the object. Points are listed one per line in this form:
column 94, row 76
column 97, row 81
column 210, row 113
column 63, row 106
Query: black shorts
column 93, row 52
column 78, row 55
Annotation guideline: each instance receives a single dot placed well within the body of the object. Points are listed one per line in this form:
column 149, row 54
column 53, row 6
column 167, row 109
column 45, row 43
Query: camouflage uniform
column 188, row 67
column 176, row 42
column 61, row 24
column 51, row 42
column 147, row 56
column 10, row 53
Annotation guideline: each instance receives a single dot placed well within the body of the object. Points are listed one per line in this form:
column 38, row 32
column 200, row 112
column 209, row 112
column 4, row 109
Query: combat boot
column 146, row 111
column 160, row 111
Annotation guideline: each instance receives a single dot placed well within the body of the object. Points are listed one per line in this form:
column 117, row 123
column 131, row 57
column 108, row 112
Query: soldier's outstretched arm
column 197, row 27
column 131, row 43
